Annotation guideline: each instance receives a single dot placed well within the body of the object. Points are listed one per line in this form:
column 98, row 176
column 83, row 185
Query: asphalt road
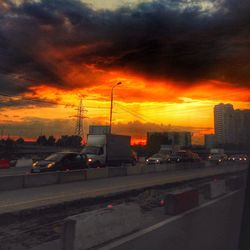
column 29, row 198
column 24, row 170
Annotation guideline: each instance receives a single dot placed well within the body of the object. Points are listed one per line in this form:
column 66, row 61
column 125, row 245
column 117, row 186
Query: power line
column 133, row 113
column 48, row 102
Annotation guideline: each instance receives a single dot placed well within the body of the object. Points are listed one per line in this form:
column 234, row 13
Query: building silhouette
column 231, row 126
column 156, row 139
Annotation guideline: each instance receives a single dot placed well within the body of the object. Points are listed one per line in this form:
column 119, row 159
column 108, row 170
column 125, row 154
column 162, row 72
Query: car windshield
column 54, row 157
column 91, row 150
column 157, row 155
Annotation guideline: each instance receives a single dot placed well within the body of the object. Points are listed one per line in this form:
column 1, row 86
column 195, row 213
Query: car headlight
column 157, row 160
column 51, row 165
column 90, row 160
column 34, row 165
column 209, row 157
column 147, row 160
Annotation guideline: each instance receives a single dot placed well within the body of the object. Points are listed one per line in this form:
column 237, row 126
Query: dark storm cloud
column 162, row 39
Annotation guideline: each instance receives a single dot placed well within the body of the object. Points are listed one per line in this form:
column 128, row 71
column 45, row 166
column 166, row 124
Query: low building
column 210, row 141
column 156, row 139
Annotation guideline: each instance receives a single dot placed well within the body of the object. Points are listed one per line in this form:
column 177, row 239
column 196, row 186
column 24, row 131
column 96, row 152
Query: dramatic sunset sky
column 176, row 59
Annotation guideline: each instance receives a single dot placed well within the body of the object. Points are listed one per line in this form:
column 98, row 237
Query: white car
column 157, row 159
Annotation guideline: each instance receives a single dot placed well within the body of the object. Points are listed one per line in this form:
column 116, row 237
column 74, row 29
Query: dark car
column 184, row 156
column 217, row 158
column 60, row 162
column 175, row 158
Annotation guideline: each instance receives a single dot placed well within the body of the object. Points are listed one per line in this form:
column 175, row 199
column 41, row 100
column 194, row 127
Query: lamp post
column 111, row 105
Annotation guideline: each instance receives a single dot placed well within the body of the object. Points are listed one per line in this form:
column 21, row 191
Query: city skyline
column 176, row 61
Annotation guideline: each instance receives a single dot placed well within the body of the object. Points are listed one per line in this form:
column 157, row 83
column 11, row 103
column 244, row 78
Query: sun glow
column 137, row 99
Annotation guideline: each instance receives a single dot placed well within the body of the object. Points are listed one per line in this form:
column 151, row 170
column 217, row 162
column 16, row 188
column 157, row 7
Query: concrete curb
column 72, row 176
column 43, row 179
column 96, row 173
column 134, row 170
column 117, row 171
column 148, row 169
column 11, row 182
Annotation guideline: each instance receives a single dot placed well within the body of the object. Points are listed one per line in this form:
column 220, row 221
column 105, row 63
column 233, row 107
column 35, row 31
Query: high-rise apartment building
column 223, row 123
column 242, row 126
column 231, row 126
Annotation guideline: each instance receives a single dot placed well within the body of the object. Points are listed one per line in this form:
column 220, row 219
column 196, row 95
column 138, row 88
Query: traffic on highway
column 68, row 161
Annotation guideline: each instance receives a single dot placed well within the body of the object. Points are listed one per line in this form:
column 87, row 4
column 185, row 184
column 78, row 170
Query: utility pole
column 79, row 128
column 111, row 106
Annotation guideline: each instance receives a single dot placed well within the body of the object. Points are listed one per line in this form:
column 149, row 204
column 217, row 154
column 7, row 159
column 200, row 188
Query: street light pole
column 111, row 106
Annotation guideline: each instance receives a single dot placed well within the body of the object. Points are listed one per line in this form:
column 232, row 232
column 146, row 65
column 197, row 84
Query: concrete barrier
column 134, row 170
column 235, row 182
column 42, row 179
column 213, row 189
column 93, row 228
column 72, row 176
column 96, row 173
column 161, row 168
column 146, row 169
column 215, row 225
column 180, row 201
column 171, row 166
column 24, row 162
column 217, row 188
column 117, row 171
column 11, row 182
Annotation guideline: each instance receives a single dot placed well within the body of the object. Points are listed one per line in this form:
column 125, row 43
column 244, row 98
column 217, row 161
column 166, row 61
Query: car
column 62, row 161
column 217, row 158
column 240, row 157
column 184, row 156
column 157, row 159
column 175, row 158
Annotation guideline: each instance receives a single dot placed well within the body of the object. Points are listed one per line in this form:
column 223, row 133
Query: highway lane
column 23, row 170
column 28, row 198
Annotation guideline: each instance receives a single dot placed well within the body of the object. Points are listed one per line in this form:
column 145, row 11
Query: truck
column 108, row 150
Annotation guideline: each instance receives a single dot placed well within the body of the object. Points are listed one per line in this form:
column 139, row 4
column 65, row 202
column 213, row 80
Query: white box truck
column 108, row 150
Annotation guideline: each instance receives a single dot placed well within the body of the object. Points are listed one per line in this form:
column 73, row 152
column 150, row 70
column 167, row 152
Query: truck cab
column 96, row 155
